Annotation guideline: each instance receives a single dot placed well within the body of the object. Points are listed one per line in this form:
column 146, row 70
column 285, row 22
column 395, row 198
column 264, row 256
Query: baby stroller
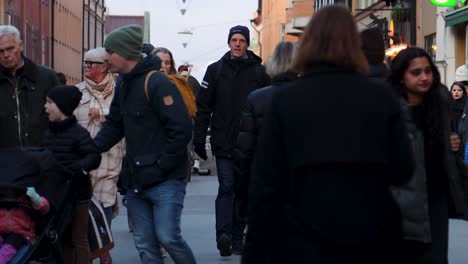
column 36, row 167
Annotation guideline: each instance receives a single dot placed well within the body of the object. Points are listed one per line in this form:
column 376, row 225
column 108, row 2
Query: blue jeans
column 228, row 220
column 156, row 214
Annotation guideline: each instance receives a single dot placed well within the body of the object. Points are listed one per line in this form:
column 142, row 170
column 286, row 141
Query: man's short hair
column 10, row 30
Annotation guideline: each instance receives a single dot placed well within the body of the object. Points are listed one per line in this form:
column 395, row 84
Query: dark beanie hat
column 126, row 41
column 66, row 97
column 373, row 46
column 147, row 48
column 244, row 31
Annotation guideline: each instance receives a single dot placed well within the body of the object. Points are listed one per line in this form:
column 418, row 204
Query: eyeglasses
column 90, row 63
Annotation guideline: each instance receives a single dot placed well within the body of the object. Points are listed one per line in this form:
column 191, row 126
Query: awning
column 369, row 10
column 456, row 17
column 300, row 22
column 289, row 29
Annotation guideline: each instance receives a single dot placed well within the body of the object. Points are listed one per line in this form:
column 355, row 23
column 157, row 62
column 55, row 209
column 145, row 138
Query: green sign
column 447, row 3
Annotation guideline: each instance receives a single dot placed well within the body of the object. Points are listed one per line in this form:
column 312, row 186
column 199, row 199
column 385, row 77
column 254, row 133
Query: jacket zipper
column 18, row 114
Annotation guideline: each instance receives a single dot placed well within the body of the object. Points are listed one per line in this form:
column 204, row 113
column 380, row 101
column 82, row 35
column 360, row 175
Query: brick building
column 56, row 33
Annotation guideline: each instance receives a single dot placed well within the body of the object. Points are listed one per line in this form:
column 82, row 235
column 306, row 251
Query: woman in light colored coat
column 98, row 90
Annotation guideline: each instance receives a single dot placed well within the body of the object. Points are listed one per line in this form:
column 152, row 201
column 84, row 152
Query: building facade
column 404, row 23
column 94, row 14
column 33, row 20
column 451, row 41
column 282, row 21
column 67, row 38
column 53, row 31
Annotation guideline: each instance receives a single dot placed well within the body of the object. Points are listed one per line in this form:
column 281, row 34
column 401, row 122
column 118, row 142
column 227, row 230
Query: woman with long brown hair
column 332, row 144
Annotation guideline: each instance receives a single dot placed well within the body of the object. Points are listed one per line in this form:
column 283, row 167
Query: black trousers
column 228, row 220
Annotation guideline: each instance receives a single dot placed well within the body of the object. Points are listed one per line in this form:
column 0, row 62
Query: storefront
column 397, row 22
column 452, row 52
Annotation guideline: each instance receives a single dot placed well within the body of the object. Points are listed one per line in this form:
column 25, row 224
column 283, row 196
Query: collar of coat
column 327, row 68
column 28, row 71
column 62, row 125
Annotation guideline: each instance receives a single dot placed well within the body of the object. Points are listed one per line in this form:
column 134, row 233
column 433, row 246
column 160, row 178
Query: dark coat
column 251, row 123
column 379, row 71
column 225, row 87
column 33, row 82
column 435, row 192
column 329, row 150
column 194, row 84
column 74, row 149
column 157, row 130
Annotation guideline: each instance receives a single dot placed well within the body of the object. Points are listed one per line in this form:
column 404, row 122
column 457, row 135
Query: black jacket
column 435, row 191
column 251, row 123
column 157, row 130
column 225, row 87
column 379, row 71
column 331, row 146
column 74, row 149
column 33, row 82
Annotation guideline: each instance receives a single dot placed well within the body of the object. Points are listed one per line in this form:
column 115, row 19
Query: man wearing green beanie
column 157, row 129
column 126, row 41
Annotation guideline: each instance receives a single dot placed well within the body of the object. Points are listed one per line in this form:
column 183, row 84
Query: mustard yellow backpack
column 184, row 89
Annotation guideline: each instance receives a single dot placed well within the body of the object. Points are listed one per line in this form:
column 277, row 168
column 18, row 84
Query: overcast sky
column 209, row 20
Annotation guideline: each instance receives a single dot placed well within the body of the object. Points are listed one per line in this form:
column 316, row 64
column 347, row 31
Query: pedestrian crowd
column 327, row 153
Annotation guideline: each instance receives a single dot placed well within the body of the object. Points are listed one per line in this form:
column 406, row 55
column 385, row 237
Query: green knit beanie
column 126, row 41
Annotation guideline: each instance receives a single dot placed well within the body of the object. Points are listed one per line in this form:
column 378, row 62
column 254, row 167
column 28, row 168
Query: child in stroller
column 17, row 210
column 25, row 167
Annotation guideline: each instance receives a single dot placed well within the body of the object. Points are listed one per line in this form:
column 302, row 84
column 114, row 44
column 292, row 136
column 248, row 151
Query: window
column 430, row 45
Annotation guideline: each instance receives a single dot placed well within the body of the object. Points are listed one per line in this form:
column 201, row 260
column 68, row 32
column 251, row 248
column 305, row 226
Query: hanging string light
column 185, row 36
column 183, row 5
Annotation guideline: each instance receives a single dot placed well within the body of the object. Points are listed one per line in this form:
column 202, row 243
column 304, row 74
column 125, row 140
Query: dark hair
column 164, row 50
column 331, row 37
column 435, row 105
column 373, row 45
column 147, row 48
column 459, row 84
column 61, row 77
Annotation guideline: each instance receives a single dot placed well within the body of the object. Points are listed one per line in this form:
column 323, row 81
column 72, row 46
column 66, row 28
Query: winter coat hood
column 148, row 63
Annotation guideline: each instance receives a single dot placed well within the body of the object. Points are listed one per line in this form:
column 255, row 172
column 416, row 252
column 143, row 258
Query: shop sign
column 447, row 3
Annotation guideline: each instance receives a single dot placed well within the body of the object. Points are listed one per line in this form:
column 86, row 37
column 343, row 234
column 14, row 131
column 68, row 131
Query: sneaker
column 224, row 245
column 237, row 247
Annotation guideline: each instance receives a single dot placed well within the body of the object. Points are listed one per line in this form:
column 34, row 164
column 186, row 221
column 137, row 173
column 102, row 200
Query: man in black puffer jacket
column 222, row 96
column 151, row 114
column 74, row 149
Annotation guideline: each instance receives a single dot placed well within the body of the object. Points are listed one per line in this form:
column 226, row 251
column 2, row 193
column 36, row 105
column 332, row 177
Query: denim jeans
column 228, row 220
column 156, row 214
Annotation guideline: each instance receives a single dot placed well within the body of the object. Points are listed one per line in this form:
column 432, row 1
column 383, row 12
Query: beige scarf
column 99, row 106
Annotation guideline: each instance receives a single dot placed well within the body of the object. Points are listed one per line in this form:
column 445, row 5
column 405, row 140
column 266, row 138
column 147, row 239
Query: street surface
column 198, row 228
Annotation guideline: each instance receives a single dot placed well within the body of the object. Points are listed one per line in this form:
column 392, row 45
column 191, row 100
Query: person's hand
column 200, row 150
column 455, row 142
column 34, row 196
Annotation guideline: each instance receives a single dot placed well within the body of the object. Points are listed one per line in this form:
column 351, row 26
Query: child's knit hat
column 66, row 97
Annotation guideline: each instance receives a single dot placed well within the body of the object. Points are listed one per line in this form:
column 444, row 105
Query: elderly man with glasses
column 98, row 90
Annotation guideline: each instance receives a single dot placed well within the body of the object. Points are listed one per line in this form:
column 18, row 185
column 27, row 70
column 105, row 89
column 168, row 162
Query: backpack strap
column 148, row 76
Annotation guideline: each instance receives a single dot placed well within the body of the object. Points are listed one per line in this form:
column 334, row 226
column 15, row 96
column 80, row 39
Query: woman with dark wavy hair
column 434, row 193
column 331, row 144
